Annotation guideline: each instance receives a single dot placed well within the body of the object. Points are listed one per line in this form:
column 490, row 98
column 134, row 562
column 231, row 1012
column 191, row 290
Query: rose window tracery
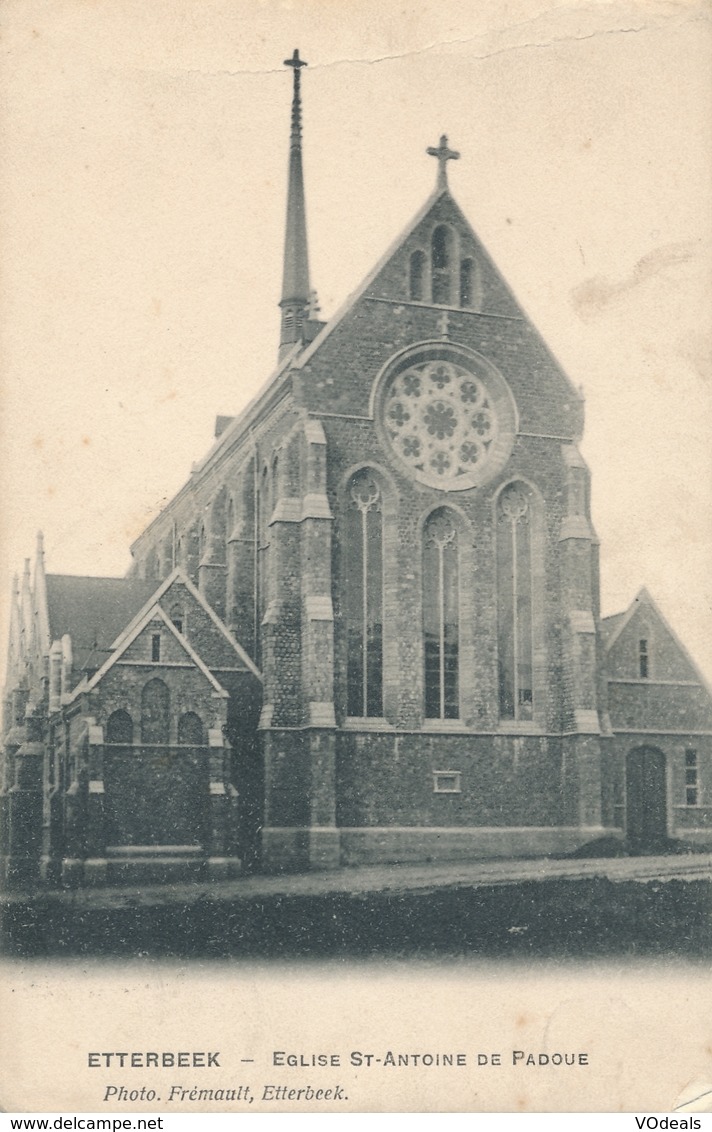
column 440, row 420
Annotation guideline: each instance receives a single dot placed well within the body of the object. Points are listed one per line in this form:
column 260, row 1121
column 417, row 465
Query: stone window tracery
column 441, row 615
column 363, row 595
column 514, row 603
column 441, row 422
column 262, row 518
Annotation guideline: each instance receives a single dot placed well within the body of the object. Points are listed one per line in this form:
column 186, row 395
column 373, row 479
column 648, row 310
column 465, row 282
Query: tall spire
column 295, row 281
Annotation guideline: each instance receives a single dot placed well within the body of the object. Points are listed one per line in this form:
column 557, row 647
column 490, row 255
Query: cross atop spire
column 296, row 289
column 443, row 154
column 296, row 64
column 295, row 61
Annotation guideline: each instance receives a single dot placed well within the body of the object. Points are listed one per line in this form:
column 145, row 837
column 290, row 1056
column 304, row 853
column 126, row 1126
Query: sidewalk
column 645, row 906
column 383, row 879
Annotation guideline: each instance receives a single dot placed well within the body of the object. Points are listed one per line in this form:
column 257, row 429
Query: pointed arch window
column 263, row 518
column 155, row 712
column 441, row 615
column 119, row 728
column 417, row 276
column 514, row 603
column 363, row 595
column 190, row 730
column 442, row 256
column 177, row 616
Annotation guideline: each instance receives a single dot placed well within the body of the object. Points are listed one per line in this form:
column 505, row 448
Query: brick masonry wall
column 539, row 462
column 387, row 779
column 198, row 628
column 286, row 779
column 682, row 818
column 666, row 660
column 156, row 796
column 506, row 780
column 665, row 706
column 189, row 691
column 338, row 377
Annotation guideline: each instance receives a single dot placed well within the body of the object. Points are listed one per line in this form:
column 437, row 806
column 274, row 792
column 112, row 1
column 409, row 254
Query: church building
column 367, row 629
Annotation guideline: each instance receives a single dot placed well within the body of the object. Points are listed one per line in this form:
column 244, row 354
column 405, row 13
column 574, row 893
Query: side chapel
column 367, row 629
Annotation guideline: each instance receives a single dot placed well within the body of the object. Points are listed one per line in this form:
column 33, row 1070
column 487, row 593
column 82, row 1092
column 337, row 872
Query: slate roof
column 94, row 611
column 609, row 625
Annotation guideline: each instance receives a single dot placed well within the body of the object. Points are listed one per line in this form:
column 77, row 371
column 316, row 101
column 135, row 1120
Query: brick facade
column 508, row 719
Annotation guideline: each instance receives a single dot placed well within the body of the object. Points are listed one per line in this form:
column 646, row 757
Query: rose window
column 440, row 420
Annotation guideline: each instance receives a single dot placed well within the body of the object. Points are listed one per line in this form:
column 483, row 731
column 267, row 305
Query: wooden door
column 646, row 797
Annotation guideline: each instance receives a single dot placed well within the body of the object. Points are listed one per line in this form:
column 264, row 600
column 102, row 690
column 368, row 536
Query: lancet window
column 442, row 255
column 190, row 729
column 441, row 615
column 177, row 616
column 155, row 712
column 363, row 595
column 262, row 546
column 514, row 603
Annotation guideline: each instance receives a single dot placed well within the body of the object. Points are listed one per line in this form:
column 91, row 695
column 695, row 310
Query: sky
column 142, row 206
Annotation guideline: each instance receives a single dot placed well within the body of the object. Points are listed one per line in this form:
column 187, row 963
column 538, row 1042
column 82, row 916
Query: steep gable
column 653, row 683
column 199, row 624
column 488, row 291
column 136, row 646
column 201, row 627
column 641, row 640
column 339, row 368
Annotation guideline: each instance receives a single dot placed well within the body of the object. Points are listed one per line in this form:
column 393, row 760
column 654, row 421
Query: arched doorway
column 646, row 797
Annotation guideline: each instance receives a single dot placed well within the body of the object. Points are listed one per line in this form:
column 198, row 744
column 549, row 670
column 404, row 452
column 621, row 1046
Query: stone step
column 131, row 852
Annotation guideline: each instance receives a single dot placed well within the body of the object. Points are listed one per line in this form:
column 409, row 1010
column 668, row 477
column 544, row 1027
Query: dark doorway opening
column 646, row 798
